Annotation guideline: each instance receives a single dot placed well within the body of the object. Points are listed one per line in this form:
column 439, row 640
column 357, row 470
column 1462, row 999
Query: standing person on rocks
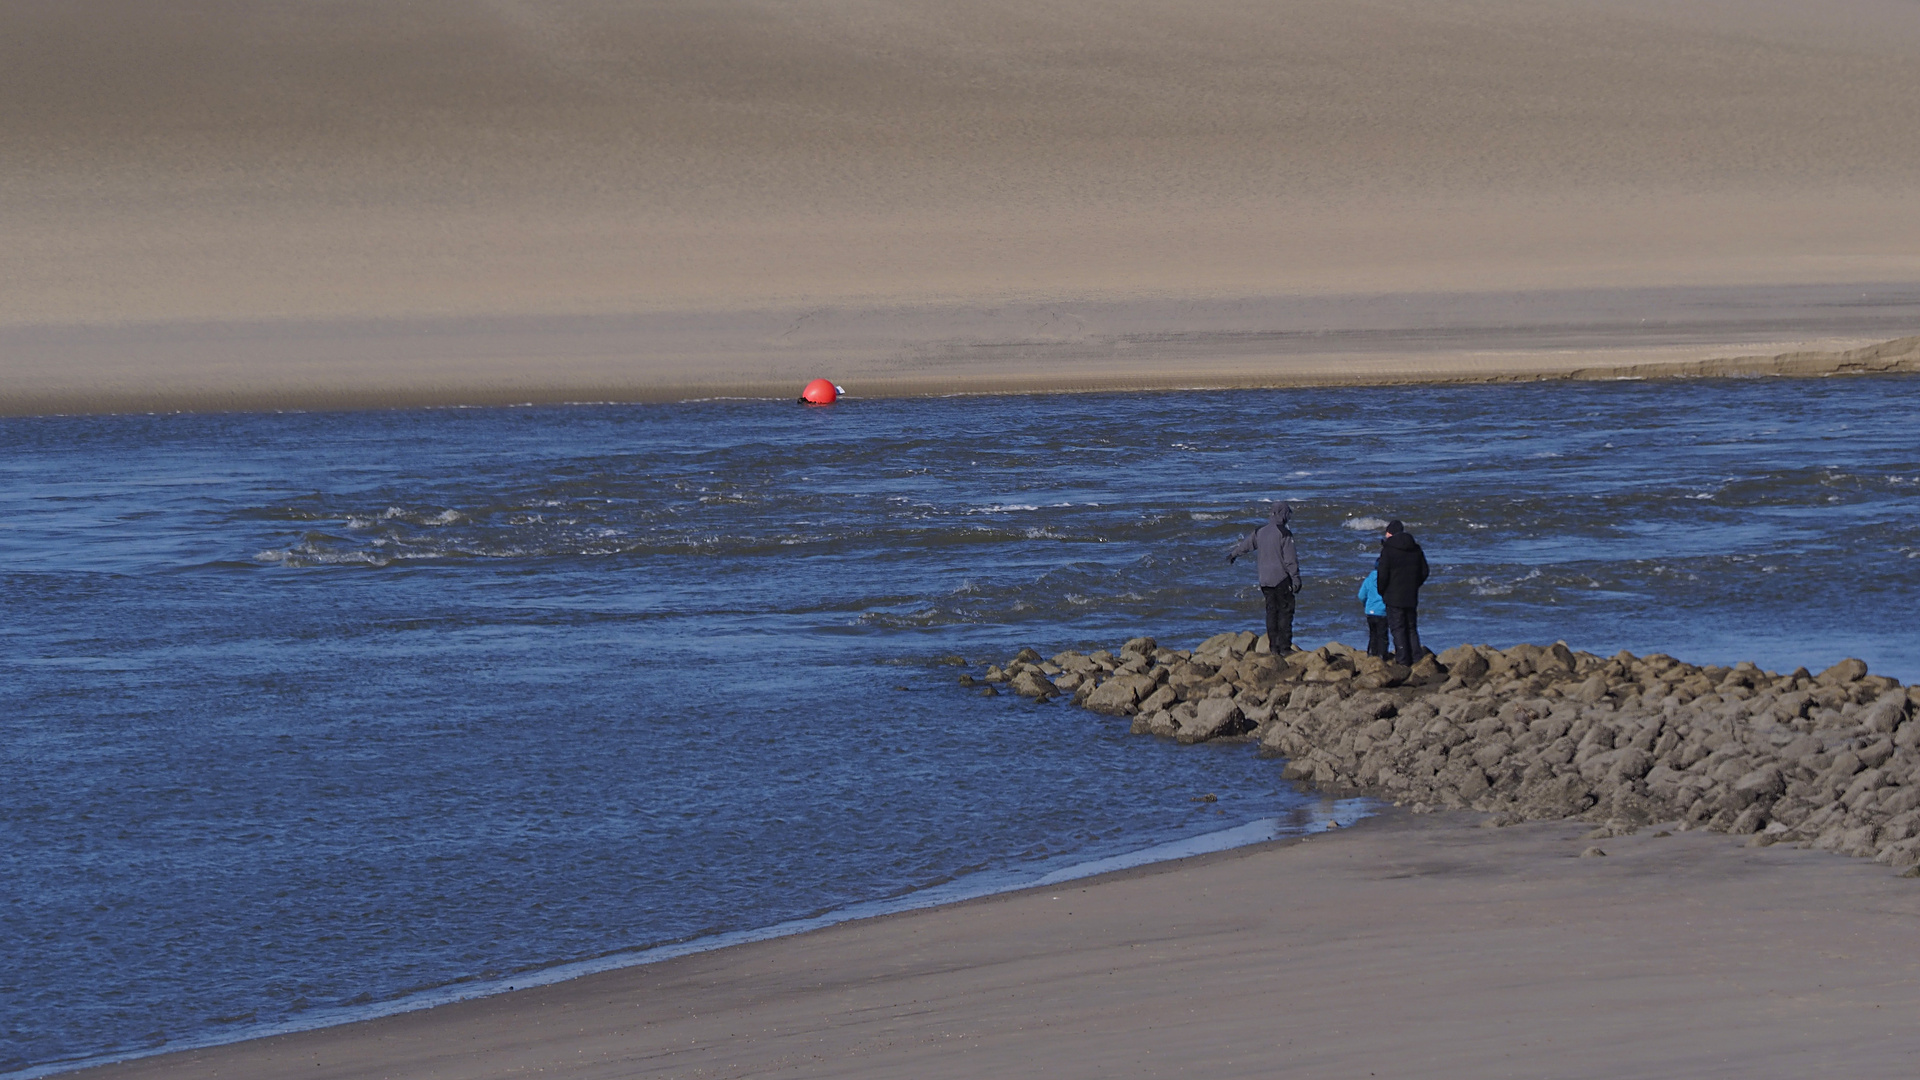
column 1272, row 544
column 1376, row 610
column 1403, row 569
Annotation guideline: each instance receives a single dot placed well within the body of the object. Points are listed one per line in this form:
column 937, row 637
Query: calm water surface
column 303, row 712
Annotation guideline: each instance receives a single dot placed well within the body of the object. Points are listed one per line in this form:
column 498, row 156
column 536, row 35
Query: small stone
column 1593, row 853
column 988, row 691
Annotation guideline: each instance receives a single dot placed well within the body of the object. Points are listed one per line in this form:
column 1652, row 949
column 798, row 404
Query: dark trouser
column 1377, row 637
column 1404, row 623
column 1279, row 617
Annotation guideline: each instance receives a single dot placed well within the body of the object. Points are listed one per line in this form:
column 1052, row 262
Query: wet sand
column 1407, row 946
column 872, row 354
column 277, row 204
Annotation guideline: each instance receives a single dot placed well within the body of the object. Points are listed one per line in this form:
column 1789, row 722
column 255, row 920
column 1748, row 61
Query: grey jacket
column 1273, row 544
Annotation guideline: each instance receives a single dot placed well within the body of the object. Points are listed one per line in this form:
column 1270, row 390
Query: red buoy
column 820, row 392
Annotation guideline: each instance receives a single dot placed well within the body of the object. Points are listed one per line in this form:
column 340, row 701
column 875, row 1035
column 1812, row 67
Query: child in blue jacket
column 1376, row 613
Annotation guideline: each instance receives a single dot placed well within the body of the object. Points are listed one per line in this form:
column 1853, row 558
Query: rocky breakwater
column 1537, row 732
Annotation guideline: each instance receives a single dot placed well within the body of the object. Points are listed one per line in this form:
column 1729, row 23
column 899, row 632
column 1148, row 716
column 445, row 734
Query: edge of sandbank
column 1896, row 356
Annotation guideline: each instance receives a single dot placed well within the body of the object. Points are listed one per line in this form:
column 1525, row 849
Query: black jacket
column 1403, row 569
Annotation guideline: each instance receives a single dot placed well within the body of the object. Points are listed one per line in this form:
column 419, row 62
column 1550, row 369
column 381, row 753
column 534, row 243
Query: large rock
column 1763, row 784
column 1030, row 683
column 1161, row 697
column 1225, row 644
column 1846, row 671
column 1427, row 670
column 1886, row 713
column 1212, row 719
column 1120, row 695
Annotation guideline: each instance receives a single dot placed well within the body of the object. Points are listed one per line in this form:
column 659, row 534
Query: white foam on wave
column 304, row 556
column 1487, row 586
column 1202, row 515
column 1364, row 524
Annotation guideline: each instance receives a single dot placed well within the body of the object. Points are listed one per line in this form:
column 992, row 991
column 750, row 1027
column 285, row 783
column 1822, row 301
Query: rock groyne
column 1830, row 760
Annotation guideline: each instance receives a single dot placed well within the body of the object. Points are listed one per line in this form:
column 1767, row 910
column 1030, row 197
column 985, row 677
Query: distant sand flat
column 356, row 174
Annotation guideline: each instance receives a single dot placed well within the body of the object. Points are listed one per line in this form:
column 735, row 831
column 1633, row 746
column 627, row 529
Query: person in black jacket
column 1403, row 569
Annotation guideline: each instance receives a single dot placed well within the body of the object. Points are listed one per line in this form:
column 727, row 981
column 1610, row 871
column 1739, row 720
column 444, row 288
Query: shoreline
column 51, row 381
column 1266, row 831
column 1402, row 943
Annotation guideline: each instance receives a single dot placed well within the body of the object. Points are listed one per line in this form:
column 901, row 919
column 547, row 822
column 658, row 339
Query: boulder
column 1886, row 713
column 1325, row 666
column 1030, row 683
column 1212, row 719
column 1427, row 670
column 1468, row 667
column 1227, row 644
column 1763, row 784
column 1846, row 671
column 1119, row 695
column 1161, row 697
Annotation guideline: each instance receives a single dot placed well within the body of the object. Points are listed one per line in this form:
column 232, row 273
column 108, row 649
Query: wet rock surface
column 1828, row 760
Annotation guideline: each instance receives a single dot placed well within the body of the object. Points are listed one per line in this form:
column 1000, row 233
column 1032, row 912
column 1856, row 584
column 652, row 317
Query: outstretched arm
column 1245, row 545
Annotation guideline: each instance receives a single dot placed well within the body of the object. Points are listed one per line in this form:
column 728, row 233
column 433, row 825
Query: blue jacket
column 1370, row 594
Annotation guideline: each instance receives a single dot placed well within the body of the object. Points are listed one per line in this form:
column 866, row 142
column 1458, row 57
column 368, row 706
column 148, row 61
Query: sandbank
column 276, row 204
column 255, row 367
column 1406, row 946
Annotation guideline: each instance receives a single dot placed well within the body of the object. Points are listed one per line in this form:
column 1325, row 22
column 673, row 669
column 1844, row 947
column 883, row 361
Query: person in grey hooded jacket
column 1272, row 546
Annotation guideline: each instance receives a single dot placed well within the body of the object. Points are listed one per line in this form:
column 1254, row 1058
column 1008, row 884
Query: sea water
column 307, row 716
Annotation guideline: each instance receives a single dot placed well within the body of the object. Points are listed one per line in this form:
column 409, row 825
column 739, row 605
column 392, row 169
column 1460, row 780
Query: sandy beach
column 1407, row 946
column 282, row 205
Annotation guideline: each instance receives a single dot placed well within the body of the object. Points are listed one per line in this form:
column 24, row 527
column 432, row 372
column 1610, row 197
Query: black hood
column 1402, row 541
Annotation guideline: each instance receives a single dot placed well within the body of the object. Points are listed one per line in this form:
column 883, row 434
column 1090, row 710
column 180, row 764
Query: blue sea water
column 308, row 713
